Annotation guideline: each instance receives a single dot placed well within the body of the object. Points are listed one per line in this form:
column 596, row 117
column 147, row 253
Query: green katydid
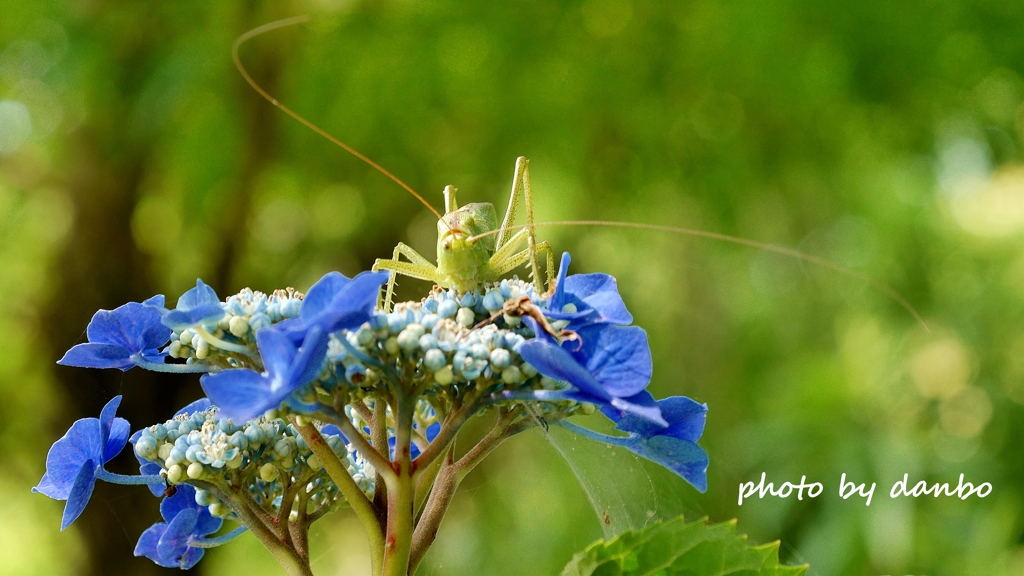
column 472, row 250
column 468, row 253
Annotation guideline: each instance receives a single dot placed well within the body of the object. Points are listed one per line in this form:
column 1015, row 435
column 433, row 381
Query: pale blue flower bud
column 434, row 359
column 493, row 301
column 258, row 321
column 364, row 336
column 429, row 321
column 428, row 341
column 500, row 359
column 447, row 309
column 396, row 322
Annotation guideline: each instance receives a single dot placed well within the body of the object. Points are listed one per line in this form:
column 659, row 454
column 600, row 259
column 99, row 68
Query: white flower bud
column 174, row 474
column 239, row 326
column 444, row 376
column 465, row 317
column 195, row 470
column 269, row 472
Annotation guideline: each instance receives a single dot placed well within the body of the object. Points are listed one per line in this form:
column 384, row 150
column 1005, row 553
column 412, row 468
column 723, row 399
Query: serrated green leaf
column 675, row 548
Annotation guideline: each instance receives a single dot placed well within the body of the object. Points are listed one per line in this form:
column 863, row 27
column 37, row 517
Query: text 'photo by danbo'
column 589, row 287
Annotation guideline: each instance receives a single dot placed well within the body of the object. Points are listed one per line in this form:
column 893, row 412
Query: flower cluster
column 323, row 400
column 265, row 456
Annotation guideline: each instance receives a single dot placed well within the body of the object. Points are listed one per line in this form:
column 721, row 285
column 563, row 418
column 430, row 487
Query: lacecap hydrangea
column 321, row 401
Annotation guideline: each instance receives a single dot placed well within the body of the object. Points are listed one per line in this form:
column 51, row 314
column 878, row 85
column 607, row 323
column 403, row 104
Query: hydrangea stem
column 401, row 496
column 447, row 482
column 287, row 557
column 349, row 489
column 380, row 463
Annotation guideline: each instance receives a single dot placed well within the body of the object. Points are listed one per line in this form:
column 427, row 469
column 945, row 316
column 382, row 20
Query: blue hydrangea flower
column 122, row 338
column 609, row 366
column 197, row 306
column 148, row 468
column 336, row 303
column 584, row 299
column 75, row 461
column 674, row 446
column 245, row 394
column 169, row 543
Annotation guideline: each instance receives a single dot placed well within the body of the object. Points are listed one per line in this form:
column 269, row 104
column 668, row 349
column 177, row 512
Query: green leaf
column 675, row 548
column 626, row 491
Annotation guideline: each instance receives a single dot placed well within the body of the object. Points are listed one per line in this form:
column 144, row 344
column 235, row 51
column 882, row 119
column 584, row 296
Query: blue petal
column 685, row 419
column 207, row 523
column 118, row 438
column 155, row 301
column 595, row 296
column 181, row 319
column 198, row 305
column 642, row 405
column 680, row 456
column 360, row 293
column 175, row 539
column 559, row 299
column 277, row 351
column 96, row 355
column 201, row 295
column 81, row 443
column 134, row 326
column 645, row 411
column 643, row 398
column 309, row 361
column 617, row 356
column 432, row 431
column 555, row 362
column 107, row 418
column 201, row 405
column 190, row 558
column 332, row 430
column 148, row 543
column 242, row 394
column 147, row 468
column 349, row 308
column 184, row 499
column 600, row 292
column 319, row 296
column 81, row 491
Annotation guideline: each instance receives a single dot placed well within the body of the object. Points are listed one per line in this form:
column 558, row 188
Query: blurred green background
column 885, row 136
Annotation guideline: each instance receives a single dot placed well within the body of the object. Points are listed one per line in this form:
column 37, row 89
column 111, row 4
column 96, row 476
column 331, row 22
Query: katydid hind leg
column 504, row 232
column 521, row 183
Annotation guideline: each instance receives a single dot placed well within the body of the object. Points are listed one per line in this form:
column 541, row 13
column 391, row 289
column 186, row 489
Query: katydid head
column 460, row 228
column 462, row 255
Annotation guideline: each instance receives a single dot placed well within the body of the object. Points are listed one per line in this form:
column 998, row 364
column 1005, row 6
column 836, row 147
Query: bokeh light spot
column 15, row 125
column 941, row 369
